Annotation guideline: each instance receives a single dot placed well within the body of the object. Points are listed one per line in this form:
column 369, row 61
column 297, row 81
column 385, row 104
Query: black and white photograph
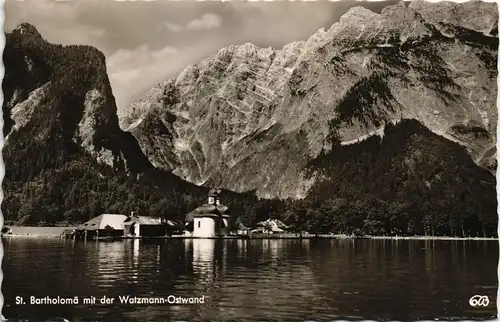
column 249, row 161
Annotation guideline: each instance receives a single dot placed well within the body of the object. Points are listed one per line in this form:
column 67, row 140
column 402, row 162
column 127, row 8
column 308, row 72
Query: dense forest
column 410, row 182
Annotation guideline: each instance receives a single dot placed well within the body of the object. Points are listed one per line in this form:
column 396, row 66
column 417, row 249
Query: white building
column 209, row 220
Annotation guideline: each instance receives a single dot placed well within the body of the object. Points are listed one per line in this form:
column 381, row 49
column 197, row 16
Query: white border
column 2, row 139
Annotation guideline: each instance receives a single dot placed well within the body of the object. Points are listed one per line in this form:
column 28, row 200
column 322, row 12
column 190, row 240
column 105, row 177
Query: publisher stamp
column 479, row 301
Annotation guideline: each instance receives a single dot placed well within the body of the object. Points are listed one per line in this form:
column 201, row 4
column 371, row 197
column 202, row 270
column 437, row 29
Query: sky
column 147, row 42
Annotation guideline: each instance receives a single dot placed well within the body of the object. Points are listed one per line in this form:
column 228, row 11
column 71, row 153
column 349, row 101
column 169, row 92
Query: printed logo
column 479, row 300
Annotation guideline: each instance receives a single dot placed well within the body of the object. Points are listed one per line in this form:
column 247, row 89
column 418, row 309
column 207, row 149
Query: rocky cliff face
column 252, row 118
column 61, row 97
column 65, row 156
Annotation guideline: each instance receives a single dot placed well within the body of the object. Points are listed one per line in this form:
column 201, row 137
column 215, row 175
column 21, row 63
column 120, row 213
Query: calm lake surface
column 288, row 280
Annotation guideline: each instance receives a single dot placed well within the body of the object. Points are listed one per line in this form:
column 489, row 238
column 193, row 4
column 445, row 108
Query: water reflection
column 255, row 279
column 158, row 258
column 135, row 260
column 270, row 249
column 203, row 258
column 241, row 247
column 109, row 262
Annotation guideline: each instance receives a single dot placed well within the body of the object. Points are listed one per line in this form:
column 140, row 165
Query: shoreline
column 32, row 236
column 262, row 237
column 59, row 233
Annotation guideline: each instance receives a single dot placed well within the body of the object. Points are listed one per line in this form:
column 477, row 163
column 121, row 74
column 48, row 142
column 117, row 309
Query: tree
column 295, row 221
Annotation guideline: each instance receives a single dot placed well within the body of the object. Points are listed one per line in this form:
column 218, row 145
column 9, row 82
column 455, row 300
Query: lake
column 252, row 279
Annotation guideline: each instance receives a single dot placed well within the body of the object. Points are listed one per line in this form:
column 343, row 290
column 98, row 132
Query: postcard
column 249, row 161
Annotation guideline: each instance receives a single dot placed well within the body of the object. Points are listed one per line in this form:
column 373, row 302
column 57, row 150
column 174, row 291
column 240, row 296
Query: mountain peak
column 480, row 16
column 246, row 106
column 27, row 29
column 358, row 14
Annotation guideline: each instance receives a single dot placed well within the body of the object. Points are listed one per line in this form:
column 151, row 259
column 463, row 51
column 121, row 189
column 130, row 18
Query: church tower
column 214, row 197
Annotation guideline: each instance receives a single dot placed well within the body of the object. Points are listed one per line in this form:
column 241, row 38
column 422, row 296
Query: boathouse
column 103, row 226
column 144, row 226
column 209, row 220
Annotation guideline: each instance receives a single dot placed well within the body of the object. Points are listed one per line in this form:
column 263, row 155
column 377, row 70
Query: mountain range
column 384, row 123
column 252, row 118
